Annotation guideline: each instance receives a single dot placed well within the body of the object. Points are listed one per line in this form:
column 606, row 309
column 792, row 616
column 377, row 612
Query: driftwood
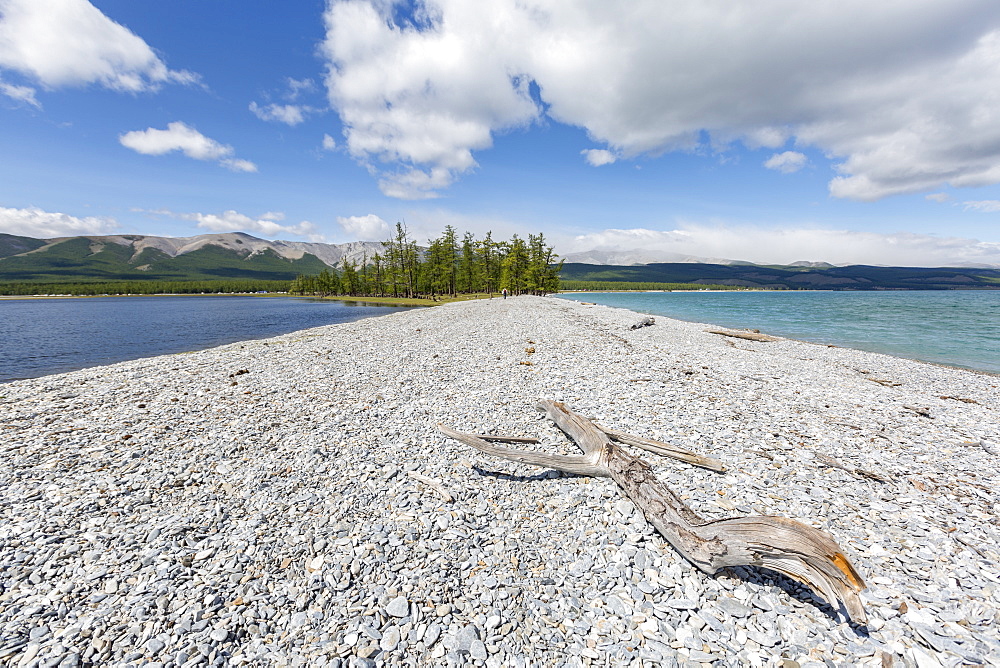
column 799, row 551
column 432, row 484
column 664, row 449
column 749, row 336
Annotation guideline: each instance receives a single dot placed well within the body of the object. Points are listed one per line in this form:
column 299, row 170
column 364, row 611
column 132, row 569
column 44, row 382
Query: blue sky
column 849, row 132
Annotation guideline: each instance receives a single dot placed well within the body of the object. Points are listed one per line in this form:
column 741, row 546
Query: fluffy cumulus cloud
column 892, row 91
column 365, row 228
column 58, row 43
column 787, row 162
column 268, row 225
column 182, row 137
column 787, row 245
column 34, row 222
column 596, row 157
column 417, row 101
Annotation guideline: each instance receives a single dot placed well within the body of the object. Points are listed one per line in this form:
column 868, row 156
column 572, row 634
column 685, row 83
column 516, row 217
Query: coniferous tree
column 468, row 271
column 445, row 267
column 514, row 266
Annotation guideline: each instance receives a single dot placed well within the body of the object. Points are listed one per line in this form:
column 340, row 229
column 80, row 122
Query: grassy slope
column 12, row 245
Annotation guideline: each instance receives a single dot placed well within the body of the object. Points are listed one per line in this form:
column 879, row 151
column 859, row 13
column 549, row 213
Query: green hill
column 84, row 259
column 12, row 245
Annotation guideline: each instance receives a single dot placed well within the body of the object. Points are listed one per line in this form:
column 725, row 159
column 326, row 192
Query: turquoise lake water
column 958, row 328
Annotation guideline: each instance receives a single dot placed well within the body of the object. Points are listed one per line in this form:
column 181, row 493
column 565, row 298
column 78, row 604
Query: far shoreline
column 822, row 344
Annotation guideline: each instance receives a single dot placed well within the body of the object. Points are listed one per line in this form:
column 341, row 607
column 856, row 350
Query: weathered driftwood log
column 799, row 551
column 664, row 449
column 749, row 336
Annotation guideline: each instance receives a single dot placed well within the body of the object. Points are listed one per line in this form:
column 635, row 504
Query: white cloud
column 892, row 91
column 596, row 157
column 298, row 86
column 787, row 162
column 181, row 137
column 34, row 222
column 25, row 94
column 940, row 198
column 266, row 225
column 71, row 43
column 329, row 143
column 415, row 183
column 422, row 101
column 289, row 114
column 787, row 245
column 985, row 206
column 238, row 165
column 365, row 228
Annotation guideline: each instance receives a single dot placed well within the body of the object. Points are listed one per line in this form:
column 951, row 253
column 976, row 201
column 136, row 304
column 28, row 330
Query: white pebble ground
column 252, row 504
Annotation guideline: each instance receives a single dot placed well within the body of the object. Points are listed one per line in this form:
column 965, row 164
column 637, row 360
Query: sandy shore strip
column 267, row 502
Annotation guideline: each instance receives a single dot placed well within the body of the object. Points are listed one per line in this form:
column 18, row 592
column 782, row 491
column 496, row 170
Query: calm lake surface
column 44, row 336
column 958, row 328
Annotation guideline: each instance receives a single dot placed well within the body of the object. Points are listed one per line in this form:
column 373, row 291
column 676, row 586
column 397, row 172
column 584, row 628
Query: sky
column 850, row 132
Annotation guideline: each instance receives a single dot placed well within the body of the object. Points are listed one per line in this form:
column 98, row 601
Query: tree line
column 447, row 266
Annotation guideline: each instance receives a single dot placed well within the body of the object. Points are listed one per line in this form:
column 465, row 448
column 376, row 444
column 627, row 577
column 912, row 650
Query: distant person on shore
column 504, row 293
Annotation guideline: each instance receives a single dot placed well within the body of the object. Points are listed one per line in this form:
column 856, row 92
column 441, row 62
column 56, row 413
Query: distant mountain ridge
column 236, row 255
column 143, row 257
column 808, row 276
column 639, row 257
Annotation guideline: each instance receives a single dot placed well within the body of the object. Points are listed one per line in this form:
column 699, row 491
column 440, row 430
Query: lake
column 953, row 327
column 44, row 336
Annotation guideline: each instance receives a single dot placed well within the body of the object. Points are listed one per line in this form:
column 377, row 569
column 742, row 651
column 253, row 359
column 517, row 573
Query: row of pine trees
column 447, row 266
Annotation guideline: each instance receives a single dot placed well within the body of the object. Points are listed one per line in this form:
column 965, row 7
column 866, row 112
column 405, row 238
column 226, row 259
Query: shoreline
column 901, row 355
column 257, row 498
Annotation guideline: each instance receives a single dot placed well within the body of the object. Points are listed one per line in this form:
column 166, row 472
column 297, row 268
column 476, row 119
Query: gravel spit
column 252, row 504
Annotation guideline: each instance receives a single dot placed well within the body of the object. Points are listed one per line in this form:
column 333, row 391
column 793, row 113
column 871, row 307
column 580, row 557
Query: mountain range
column 138, row 257
column 236, row 255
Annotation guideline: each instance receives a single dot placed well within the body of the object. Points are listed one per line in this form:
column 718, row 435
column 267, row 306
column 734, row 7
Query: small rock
column 734, row 607
column 477, row 648
column 390, row 638
column 398, row 607
column 368, row 651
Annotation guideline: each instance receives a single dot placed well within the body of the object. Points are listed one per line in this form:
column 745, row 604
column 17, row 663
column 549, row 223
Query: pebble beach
column 291, row 502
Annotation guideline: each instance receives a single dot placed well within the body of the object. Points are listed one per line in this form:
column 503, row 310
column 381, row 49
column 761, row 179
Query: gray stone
column 733, row 607
column 390, row 638
column 478, row 650
column 398, row 607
